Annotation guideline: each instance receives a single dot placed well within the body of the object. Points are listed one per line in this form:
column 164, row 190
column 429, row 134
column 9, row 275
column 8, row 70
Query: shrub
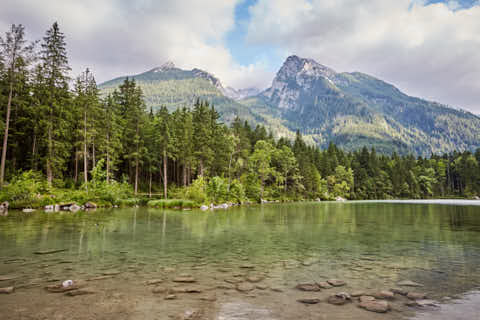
column 171, row 203
column 196, row 191
column 24, row 189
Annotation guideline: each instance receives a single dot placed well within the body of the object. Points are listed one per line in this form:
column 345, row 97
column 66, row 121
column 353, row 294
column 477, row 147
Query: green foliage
column 172, row 203
column 25, row 190
column 197, row 190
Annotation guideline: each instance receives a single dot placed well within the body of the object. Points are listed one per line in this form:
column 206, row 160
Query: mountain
column 350, row 109
column 240, row 93
column 355, row 109
column 175, row 88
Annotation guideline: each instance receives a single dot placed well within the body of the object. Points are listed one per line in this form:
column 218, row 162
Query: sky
column 427, row 48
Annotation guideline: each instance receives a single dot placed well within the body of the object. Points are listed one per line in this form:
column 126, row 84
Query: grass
column 171, row 203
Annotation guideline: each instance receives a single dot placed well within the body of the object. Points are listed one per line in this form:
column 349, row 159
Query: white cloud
column 429, row 51
column 115, row 38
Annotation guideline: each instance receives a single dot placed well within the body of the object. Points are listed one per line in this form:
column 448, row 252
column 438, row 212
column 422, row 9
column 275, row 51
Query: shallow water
column 370, row 245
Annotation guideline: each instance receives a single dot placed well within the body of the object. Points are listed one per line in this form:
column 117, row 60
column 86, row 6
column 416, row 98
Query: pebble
column 384, row 294
column 366, row 298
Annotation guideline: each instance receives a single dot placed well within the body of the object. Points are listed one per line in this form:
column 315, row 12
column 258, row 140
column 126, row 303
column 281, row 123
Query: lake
column 244, row 262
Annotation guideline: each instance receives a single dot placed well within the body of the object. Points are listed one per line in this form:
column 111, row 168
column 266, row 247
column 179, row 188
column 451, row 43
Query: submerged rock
column 245, row 287
column 384, row 294
column 375, row 306
column 357, row 293
column 408, row 283
column 159, row 290
column 186, row 279
column 80, row 292
column 309, row 300
column 154, row 281
column 339, row 299
column 254, row 278
column 399, row 291
column 336, row 282
column 366, row 298
column 324, row 285
column 7, row 290
column 416, row 295
column 307, row 287
column 170, row 297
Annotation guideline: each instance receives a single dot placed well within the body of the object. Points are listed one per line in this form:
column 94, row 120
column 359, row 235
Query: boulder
column 336, row 282
column 74, row 208
column 4, row 206
column 28, row 210
column 204, row 208
column 375, row 306
column 307, row 287
column 90, row 205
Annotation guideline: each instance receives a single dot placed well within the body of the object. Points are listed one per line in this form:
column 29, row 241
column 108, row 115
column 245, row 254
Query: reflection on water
column 369, row 244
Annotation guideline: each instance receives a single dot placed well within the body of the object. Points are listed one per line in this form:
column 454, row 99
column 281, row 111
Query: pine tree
column 56, row 99
column 16, row 55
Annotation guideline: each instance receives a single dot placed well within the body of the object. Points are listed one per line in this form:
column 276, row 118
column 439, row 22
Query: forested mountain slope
column 355, row 109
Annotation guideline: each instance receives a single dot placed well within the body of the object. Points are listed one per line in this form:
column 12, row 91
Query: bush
column 196, row 191
column 25, row 190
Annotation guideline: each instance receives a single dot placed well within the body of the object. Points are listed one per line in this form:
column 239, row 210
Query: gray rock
column 204, row 208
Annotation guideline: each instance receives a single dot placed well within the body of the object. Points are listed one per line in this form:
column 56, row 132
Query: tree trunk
column 150, row 185
column 108, row 157
column 184, row 174
column 76, row 166
column 85, row 159
column 50, row 151
column 165, row 173
column 5, row 137
column 94, row 162
column 34, row 152
column 136, row 175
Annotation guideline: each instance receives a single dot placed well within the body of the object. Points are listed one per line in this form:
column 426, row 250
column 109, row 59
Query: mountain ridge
column 351, row 109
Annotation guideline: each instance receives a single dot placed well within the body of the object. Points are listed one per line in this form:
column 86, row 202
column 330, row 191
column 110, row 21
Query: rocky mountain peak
column 207, row 76
column 169, row 65
column 294, row 66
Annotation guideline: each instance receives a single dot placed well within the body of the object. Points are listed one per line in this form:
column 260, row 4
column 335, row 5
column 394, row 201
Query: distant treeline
column 65, row 131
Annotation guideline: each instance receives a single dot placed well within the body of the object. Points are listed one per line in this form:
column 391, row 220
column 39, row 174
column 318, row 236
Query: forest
column 64, row 141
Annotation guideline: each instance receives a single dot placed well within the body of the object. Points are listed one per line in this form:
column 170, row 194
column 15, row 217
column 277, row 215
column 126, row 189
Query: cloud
column 115, row 38
column 430, row 51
